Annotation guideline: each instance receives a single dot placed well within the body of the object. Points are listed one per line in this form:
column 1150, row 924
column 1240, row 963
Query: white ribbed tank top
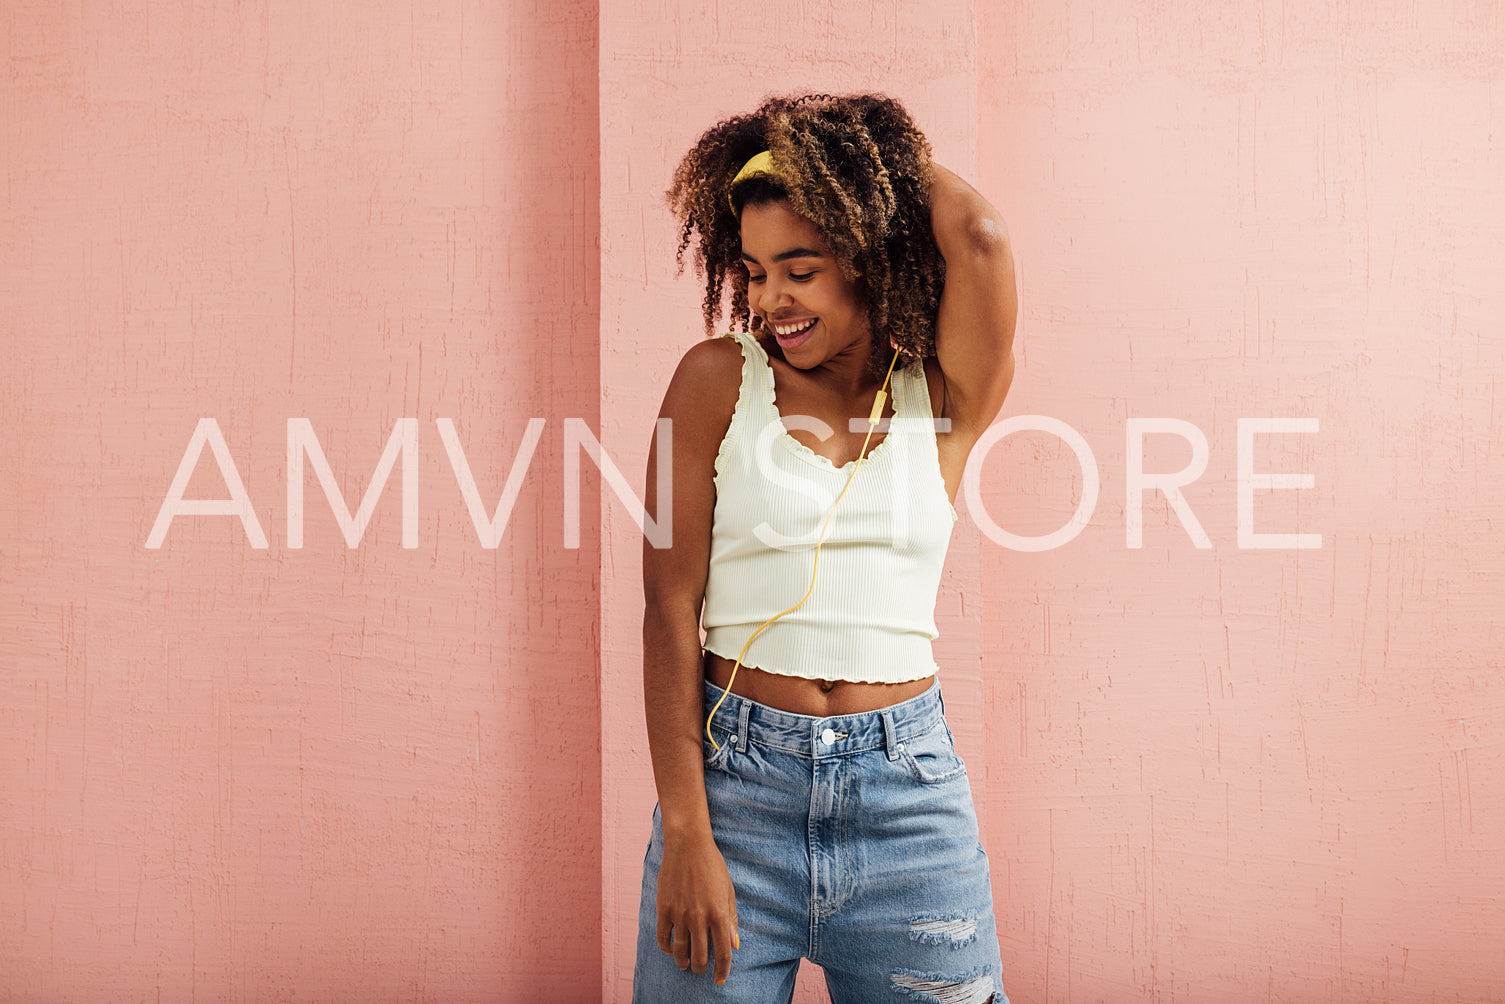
column 871, row 616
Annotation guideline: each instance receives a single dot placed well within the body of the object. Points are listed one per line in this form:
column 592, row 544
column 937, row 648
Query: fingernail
column 721, row 983
column 735, row 940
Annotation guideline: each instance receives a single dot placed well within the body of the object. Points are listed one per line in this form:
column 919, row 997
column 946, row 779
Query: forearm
column 672, row 687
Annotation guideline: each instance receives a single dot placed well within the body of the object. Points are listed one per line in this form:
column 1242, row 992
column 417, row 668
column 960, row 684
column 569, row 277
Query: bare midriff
column 820, row 698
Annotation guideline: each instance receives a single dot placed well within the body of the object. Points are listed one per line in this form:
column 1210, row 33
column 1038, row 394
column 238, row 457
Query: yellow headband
column 758, row 164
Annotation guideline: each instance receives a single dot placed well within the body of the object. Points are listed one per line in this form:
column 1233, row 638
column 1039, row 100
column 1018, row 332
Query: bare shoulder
column 717, row 360
column 702, row 394
column 699, row 402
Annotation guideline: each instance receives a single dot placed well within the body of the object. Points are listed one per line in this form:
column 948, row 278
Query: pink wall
column 654, row 58
column 314, row 774
column 1223, row 773
column 1233, row 774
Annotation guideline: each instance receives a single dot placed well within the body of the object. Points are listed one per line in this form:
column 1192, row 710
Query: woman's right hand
column 697, row 906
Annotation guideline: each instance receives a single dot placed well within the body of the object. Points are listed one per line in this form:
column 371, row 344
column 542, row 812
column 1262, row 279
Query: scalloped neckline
column 798, row 448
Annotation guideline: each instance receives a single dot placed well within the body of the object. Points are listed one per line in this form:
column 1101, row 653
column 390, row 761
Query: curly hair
column 857, row 168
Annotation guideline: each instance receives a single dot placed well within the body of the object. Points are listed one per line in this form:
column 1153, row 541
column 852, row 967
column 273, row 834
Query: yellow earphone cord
column 872, row 423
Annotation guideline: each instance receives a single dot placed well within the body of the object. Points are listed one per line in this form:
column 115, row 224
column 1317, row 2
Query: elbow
column 669, row 613
column 980, row 237
column 987, row 236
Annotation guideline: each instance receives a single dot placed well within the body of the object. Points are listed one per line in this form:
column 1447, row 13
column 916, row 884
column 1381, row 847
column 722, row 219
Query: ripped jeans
column 852, row 842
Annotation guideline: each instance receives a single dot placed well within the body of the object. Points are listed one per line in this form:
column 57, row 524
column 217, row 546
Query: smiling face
column 796, row 286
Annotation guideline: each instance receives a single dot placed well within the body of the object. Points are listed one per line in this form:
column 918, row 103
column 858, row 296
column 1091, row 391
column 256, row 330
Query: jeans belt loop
column 890, row 739
column 742, row 717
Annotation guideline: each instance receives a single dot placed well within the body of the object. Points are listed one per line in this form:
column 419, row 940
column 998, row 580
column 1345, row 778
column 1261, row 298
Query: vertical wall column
column 667, row 73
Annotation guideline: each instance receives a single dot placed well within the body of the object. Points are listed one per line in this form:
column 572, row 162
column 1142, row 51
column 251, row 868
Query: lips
column 791, row 328
column 794, row 334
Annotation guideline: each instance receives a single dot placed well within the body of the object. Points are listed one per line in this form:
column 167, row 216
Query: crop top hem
column 843, row 674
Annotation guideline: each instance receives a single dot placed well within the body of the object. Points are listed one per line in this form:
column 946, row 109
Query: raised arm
column 974, row 336
column 696, row 902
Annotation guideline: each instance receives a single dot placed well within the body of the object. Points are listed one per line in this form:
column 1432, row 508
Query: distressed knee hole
column 978, row 989
column 955, row 931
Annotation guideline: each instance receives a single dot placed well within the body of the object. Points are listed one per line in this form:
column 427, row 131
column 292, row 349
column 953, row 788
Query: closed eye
column 796, row 276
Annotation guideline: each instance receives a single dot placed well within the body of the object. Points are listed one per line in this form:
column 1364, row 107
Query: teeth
column 788, row 329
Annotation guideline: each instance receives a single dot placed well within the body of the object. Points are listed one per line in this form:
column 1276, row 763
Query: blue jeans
column 852, row 842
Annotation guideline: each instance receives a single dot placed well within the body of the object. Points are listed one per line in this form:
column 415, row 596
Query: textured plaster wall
column 381, row 772
column 705, row 65
column 1232, row 774
column 230, row 773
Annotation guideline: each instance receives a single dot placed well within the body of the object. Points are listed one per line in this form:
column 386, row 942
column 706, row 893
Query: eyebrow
column 786, row 255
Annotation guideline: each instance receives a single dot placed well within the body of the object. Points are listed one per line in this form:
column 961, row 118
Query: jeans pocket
column 931, row 756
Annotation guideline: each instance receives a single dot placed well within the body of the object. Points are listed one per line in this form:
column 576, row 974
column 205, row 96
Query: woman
column 811, row 802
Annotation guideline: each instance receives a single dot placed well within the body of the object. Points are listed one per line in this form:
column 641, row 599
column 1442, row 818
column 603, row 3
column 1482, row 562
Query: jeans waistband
column 740, row 720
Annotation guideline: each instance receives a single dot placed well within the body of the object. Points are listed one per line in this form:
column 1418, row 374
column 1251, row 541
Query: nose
column 771, row 294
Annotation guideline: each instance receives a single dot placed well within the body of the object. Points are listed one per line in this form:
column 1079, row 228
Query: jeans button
column 828, row 737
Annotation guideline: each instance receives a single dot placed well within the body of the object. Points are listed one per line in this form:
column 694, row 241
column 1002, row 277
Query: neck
column 847, row 370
